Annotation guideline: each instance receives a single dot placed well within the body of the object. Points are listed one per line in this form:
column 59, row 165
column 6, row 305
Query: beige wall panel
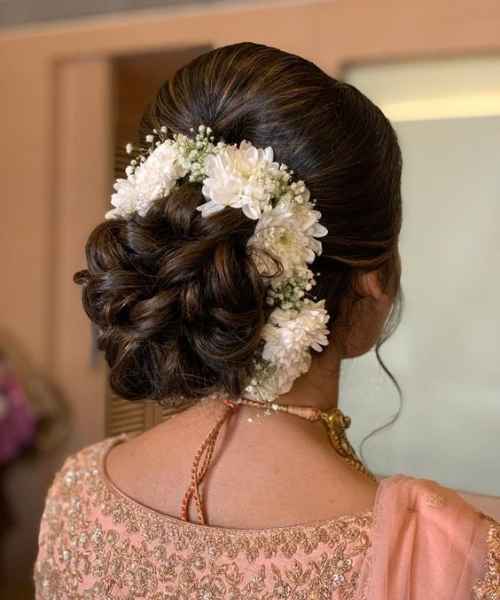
column 83, row 169
column 26, row 221
column 326, row 32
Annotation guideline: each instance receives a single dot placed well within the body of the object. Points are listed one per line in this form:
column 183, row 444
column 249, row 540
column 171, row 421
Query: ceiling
column 27, row 12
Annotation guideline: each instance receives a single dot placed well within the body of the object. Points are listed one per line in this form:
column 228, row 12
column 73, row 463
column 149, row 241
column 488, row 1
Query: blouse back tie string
column 197, row 473
column 335, row 421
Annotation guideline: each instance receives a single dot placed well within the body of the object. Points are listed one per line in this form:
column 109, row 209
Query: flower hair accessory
column 287, row 227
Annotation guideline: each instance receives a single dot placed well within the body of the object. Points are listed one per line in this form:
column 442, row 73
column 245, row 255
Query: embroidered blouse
column 97, row 543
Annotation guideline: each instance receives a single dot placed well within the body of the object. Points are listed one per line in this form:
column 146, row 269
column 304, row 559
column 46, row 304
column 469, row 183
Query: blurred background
column 76, row 75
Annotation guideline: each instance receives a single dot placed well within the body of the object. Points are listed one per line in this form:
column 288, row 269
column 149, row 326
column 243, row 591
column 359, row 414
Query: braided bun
column 177, row 297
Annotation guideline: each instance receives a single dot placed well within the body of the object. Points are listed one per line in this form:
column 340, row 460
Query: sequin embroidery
column 97, row 544
column 489, row 587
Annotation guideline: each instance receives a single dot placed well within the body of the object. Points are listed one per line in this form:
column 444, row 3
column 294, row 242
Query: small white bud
column 129, row 148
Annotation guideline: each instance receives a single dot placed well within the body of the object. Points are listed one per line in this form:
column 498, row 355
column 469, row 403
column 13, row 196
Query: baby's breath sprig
column 192, row 152
column 142, row 153
column 290, row 293
column 161, row 134
column 136, row 152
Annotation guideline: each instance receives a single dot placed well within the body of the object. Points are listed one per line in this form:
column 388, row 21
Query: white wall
column 446, row 352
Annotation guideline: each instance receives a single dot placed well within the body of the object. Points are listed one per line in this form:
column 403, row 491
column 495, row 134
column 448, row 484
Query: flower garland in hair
column 287, row 227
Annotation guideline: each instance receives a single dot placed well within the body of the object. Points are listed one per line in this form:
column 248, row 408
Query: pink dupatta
column 428, row 544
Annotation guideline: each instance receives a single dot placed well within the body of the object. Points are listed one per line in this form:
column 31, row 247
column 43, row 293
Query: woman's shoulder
column 78, row 474
column 404, row 501
column 425, row 496
column 88, row 456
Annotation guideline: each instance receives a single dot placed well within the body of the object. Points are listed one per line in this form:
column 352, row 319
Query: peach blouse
column 420, row 542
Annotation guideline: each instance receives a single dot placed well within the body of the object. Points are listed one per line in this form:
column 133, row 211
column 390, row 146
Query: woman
column 252, row 247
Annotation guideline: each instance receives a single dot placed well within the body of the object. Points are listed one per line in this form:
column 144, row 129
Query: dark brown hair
column 177, row 297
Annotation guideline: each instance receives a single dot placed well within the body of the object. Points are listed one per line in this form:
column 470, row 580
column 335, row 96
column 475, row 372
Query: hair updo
column 177, row 298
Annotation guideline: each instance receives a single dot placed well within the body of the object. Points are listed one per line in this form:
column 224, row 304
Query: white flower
column 155, row 177
column 236, row 177
column 288, row 336
column 125, row 199
column 288, row 231
column 151, row 180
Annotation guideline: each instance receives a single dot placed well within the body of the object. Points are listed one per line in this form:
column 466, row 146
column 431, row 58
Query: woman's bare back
column 277, row 472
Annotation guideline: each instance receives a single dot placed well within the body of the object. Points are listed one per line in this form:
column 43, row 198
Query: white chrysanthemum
column 288, row 231
column 151, row 180
column 155, row 177
column 125, row 199
column 288, row 336
column 236, row 177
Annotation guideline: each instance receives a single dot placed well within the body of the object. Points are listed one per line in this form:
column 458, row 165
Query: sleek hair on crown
column 177, row 298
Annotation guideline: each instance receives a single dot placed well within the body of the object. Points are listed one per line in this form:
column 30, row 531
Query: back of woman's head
column 177, row 297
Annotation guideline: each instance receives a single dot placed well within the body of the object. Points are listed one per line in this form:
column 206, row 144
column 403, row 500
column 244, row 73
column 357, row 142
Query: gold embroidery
column 489, row 587
column 96, row 543
column 433, row 499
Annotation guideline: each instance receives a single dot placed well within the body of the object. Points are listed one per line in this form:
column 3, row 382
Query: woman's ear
column 368, row 315
column 368, row 284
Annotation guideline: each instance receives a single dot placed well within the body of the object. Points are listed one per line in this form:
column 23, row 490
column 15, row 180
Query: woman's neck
column 319, row 386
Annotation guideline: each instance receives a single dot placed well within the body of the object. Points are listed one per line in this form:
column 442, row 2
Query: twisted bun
column 177, row 298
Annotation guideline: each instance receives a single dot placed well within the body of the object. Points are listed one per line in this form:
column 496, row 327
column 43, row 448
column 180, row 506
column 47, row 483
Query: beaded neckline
column 137, row 506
